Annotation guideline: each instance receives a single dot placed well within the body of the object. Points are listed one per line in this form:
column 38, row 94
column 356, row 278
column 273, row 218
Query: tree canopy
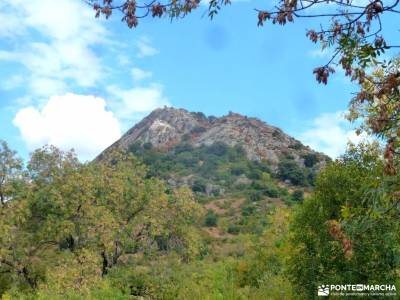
column 348, row 231
column 73, row 222
column 108, row 230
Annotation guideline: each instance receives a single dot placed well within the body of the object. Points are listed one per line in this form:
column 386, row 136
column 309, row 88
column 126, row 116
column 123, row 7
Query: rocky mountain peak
column 166, row 127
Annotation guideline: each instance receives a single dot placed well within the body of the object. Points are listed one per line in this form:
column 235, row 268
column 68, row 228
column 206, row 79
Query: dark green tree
column 349, row 230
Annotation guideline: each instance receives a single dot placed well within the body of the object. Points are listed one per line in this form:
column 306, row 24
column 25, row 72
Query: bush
column 298, row 196
column 288, row 155
column 187, row 159
column 296, row 146
column 211, row 219
column 290, row 170
column 239, row 150
column 311, row 178
column 183, row 147
column 233, row 229
column 248, row 210
column 135, row 148
column 310, row 159
column 199, row 186
column 218, row 149
column 254, row 174
column 261, row 165
column 147, row 146
column 258, row 185
column 238, row 170
column 271, row 191
column 255, row 196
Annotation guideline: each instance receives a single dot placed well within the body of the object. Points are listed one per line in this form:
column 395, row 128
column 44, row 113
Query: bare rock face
column 164, row 128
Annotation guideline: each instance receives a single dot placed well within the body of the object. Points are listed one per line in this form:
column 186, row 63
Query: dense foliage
column 348, row 231
column 112, row 230
column 71, row 223
column 218, row 168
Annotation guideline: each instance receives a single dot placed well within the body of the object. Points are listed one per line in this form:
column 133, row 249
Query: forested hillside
column 193, row 223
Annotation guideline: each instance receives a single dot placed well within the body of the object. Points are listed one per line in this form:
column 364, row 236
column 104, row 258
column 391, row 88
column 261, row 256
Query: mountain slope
column 239, row 168
column 166, row 127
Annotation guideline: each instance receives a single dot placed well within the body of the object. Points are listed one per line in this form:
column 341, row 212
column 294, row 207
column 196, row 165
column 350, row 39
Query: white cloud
column 23, row 101
column 10, row 25
column 139, row 74
column 330, row 134
column 134, row 103
column 69, row 121
column 42, row 86
column 144, row 48
column 11, row 82
column 67, row 31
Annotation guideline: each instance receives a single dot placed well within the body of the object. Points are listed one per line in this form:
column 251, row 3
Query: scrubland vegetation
column 112, row 229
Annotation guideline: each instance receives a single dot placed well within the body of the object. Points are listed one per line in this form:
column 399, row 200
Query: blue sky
column 78, row 82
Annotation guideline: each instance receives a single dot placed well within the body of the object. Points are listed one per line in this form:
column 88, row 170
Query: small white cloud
column 69, row 121
column 139, row 74
column 133, row 103
column 330, row 134
column 144, row 48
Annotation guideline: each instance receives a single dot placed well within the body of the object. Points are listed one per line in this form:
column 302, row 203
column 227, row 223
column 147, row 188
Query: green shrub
column 183, row 147
column 255, row 196
column 296, row 146
column 271, row 191
column 238, row 170
column 290, row 170
column 248, row 209
column 258, row 185
column 218, row 149
column 211, row 219
column 199, row 186
column 310, row 159
column 233, row 229
column 298, row 196
column 147, row 146
column 254, row 174
column 187, row 159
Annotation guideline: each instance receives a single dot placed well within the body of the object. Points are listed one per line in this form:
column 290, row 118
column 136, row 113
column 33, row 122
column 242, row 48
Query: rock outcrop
column 166, row 127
